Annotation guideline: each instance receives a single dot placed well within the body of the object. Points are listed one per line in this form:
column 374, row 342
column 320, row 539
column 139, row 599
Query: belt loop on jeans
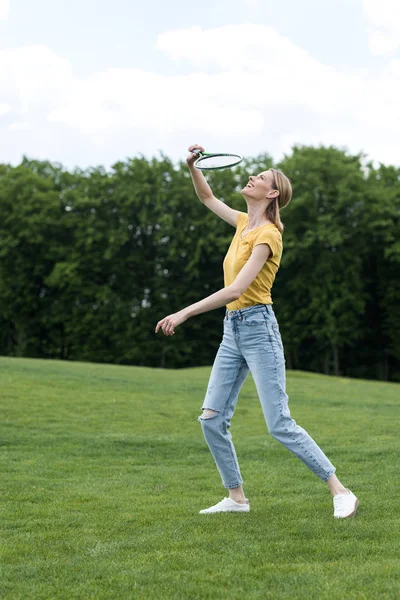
column 238, row 311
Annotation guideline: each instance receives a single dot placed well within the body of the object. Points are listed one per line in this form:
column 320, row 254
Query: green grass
column 104, row 470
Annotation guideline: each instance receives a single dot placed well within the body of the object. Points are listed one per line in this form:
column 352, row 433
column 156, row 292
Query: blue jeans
column 252, row 342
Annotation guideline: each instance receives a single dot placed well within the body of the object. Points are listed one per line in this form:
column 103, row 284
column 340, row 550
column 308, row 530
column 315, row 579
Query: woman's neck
column 257, row 218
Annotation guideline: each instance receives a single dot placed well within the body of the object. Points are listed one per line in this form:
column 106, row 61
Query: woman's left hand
column 169, row 323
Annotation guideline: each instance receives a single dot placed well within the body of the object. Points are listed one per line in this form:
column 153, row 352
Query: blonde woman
column 251, row 339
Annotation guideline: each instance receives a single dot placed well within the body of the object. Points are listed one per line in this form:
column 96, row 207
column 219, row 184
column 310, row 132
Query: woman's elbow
column 236, row 293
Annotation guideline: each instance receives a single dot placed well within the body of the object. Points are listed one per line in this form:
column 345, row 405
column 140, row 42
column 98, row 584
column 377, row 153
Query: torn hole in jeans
column 208, row 413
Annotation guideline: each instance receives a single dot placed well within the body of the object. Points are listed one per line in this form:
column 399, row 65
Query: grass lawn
column 103, row 471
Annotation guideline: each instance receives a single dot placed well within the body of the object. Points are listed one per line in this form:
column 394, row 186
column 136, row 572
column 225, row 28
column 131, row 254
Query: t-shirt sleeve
column 272, row 237
column 240, row 220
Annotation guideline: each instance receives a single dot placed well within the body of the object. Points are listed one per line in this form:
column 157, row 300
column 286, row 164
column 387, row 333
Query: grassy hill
column 103, row 471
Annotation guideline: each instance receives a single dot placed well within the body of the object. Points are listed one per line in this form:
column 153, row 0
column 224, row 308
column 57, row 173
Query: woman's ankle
column 239, row 500
column 335, row 486
column 237, row 494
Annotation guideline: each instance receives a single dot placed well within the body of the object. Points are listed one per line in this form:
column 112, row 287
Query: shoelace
column 222, row 502
column 340, row 501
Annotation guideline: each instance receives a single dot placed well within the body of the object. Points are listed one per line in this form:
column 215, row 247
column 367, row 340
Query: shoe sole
column 214, row 512
column 352, row 514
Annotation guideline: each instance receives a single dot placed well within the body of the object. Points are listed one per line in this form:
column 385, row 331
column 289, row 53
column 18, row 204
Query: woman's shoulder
column 276, row 230
column 272, row 229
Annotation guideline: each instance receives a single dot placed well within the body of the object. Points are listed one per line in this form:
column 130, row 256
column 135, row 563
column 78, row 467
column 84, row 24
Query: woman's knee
column 208, row 413
column 209, row 419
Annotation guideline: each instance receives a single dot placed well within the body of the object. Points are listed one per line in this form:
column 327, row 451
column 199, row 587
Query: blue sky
column 93, row 82
column 96, row 34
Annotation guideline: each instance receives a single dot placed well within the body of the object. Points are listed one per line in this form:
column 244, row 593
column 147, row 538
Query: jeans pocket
column 256, row 319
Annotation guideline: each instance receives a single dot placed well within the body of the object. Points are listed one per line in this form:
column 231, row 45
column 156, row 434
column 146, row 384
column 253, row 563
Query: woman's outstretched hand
column 168, row 324
column 193, row 157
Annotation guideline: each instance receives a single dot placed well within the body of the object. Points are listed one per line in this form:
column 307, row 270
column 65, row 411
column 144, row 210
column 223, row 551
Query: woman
column 251, row 340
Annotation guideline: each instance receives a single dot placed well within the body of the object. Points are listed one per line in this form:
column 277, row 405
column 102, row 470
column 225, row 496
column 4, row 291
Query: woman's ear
column 273, row 194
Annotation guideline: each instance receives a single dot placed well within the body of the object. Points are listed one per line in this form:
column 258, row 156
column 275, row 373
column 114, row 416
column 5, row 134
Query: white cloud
column 383, row 18
column 382, row 13
column 252, row 4
column 247, row 89
column 32, row 79
column 246, row 48
column 19, row 126
column 4, row 108
column 4, row 8
column 392, row 70
column 123, row 99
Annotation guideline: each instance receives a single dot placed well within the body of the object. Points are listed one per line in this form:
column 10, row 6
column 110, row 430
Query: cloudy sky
column 87, row 82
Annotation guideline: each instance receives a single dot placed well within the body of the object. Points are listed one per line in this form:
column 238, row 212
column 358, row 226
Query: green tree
column 91, row 260
column 320, row 291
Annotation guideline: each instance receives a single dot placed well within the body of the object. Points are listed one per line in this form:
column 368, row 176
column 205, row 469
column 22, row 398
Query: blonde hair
column 281, row 183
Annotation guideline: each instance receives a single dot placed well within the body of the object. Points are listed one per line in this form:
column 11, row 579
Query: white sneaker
column 345, row 505
column 227, row 505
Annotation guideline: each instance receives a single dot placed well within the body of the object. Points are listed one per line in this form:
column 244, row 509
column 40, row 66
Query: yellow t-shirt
column 259, row 292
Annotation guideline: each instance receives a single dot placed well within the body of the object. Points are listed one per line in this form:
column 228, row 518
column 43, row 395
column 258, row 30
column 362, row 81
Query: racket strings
column 218, row 161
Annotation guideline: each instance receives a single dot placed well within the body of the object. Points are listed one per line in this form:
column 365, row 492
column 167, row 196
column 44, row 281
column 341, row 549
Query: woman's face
column 259, row 186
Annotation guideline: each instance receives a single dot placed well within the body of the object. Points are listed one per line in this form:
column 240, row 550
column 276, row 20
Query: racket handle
column 197, row 151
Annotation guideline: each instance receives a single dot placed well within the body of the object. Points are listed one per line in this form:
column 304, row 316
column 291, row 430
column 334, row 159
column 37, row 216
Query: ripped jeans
column 252, row 342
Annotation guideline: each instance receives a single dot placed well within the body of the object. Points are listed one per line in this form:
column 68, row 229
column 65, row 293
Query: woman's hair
column 281, row 183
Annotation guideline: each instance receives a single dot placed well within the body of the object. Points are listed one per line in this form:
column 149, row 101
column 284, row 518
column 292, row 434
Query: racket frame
column 203, row 155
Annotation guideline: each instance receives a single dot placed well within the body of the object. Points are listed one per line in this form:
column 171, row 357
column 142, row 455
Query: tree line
column 91, row 260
